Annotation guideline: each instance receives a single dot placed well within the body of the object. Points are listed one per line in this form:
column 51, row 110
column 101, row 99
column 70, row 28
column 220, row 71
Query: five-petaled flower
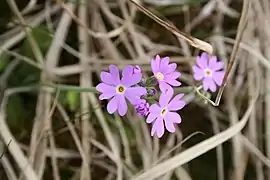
column 118, row 90
column 209, row 71
column 165, row 73
column 164, row 113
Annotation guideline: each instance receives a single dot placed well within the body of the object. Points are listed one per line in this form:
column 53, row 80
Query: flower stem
column 71, row 88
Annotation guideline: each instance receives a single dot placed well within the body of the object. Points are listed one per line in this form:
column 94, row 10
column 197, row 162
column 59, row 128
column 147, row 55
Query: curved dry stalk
column 197, row 43
column 111, row 34
column 31, row 4
column 219, row 149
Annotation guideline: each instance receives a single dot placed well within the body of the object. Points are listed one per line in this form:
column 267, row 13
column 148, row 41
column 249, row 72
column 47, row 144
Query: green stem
column 71, row 88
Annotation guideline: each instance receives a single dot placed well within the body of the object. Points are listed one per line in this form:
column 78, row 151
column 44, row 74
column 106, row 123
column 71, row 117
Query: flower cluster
column 160, row 109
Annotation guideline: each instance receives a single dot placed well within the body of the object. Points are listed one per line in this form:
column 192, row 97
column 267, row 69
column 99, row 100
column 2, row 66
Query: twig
column 191, row 40
column 10, row 42
column 219, row 149
column 84, row 82
column 5, row 149
column 36, row 50
column 13, row 147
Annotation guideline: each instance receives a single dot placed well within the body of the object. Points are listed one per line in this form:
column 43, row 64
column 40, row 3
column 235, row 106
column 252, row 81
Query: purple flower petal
column 122, row 106
column 208, row 83
column 214, row 65
column 107, row 78
column 151, row 118
column 171, row 67
column 137, row 91
column 218, row 66
column 154, row 109
column 173, row 117
column 154, row 66
column 169, row 124
column 199, row 73
column 102, row 87
column 165, row 98
column 158, row 127
column 202, row 61
column 128, row 71
column 176, row 103
column 218, row 77
column 163, row 86
column 133, row 94
column 212, row 61
column 213, row 87
column 164, row 63
column 158, row 59
column 137, row 69
column 106, row 95
column 113, row 104
column 173, row 82
column 114, row 72
column 173, row 75
column 130, row 80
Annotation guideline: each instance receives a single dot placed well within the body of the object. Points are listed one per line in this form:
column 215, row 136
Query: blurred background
column 60, row 135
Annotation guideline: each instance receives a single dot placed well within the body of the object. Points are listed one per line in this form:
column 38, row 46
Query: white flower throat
column 159, row 76
column 163, row 112
column 120, row 89
column 208, row 72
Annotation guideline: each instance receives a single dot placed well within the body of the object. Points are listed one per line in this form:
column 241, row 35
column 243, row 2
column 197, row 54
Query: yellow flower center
column 159, row 76
column 208, row 72
column 163, row 112
column 120, row 89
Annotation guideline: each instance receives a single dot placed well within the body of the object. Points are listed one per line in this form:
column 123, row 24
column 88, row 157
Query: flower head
column 142, row 107
column 118, row 90
column 165, row 73
column 163, row 113
column 209, row 71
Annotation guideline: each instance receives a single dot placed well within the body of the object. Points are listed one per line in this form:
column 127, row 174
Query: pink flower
column 209, row 71
column 118, row 90
column 165, row 73
column 164, row 113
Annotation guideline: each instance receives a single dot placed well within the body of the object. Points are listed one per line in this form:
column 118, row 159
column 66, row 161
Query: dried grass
column 125, row 150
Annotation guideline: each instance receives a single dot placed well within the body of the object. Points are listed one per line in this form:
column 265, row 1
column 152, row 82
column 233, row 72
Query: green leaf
column 73, row 100
column 15, row 111
column 4, row 59
column 43, row 38
column 151, row 100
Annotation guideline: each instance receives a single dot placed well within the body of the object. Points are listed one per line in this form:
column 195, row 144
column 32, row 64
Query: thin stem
column 71, row 88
